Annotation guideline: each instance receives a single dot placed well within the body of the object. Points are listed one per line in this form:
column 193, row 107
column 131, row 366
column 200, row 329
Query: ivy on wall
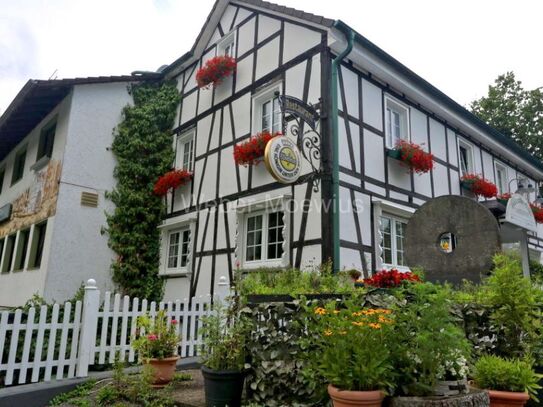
column 143, row 148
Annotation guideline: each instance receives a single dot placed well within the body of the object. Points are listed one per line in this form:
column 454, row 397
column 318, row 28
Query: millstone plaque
column 452, row 238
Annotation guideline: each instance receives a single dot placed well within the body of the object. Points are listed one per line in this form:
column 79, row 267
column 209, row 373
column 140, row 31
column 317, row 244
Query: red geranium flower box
column 537, row 210
column 171, row 180
column 479, row 185
column 251, row 152
column 215, row 71
column 390, row 278
column 413, row 156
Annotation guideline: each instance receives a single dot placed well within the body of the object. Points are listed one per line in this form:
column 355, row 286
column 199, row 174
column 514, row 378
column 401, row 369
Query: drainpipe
column 349, row 36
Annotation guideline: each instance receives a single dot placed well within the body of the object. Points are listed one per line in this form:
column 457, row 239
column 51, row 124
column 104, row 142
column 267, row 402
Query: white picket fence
column 64, row 344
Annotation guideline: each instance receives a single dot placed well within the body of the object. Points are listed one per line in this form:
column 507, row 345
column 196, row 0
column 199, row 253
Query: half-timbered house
column 233, row 217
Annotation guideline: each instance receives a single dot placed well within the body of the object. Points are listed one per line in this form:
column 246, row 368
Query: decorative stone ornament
column 283, row 160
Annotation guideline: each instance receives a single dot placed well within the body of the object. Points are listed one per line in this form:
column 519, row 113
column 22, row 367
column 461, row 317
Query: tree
column 514, row 111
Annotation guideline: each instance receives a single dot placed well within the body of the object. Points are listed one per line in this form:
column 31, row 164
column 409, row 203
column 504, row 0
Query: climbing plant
column 143, row 148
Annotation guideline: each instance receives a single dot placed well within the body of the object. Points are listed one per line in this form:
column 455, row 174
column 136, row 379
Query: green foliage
column 143, row 149
column 278, row 373
column 514, row 111
column 224, row 333
column 295, row 282
column 536, row 272
column 75, row 396
column 160, row 339
column 516, row 375
column 430, row 345
column 352, row 347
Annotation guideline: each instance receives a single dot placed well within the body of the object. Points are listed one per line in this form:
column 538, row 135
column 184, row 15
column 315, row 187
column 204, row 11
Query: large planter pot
column 348, row 398
column 223, row 388
column 163, row 370
column 475, row 398
column 507, row 398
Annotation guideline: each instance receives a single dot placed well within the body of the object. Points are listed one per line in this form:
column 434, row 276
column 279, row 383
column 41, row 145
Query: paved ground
column 191, row 393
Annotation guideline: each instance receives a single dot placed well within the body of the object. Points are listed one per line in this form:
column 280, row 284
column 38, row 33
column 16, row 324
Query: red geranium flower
column 479, row 186
column 251, row 151
column 215, row 70
column 390, row 278
column 537, row 210
column 171, row 180
column 414, row 157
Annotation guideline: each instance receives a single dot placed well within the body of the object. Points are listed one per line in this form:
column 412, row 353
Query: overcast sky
column 459, row 46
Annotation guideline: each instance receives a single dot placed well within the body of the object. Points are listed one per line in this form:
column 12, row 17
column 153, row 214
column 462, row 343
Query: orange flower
column 320, row 311
column 358, row 323
column 374, row 326
column 328, row 332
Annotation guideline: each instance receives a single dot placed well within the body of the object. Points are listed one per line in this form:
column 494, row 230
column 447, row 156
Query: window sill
column 268, row 264
column 175, row 273
column 41, row 163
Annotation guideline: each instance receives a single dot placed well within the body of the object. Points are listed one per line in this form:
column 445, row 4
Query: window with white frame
column 185, row 151
column 227, row 46
column 266, row 110
column 393, row 240
column 397, row 122
column 465, row 155
column 501, row 178
column 263, row 236
column 178, row 249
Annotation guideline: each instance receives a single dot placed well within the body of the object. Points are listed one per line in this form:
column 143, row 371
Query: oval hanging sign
column 283, row 160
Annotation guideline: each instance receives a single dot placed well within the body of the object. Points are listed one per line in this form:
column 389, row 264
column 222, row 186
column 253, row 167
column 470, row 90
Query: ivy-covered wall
column 143, row 149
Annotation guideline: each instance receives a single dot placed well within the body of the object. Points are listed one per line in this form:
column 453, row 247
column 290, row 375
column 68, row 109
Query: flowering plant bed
column 389, row 279
column 251, row 152
column 412, row 156
column 215, row 71
column 171, row 180
column 479, row 185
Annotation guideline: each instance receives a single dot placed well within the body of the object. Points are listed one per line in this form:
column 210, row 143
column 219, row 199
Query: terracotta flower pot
column 163, row 370
column 348, row 398
column 507, row 398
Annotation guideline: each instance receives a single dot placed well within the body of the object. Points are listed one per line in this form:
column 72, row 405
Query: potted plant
column 223, row 356
column 215, row 71
column 412, row 156
column 390, row 278
column 251, row 152
column 351, row 350
column 537, row 210
column 156, row 342
column 478, row 185
column 171, row 181
column 510, row 382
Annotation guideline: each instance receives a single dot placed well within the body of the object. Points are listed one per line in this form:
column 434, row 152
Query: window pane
column 39, row 234
column 464, row 160
column 187, row 155
column 396, row 132
column 275, row 235
column 276, row 125
column 254, row 238
column 185, row 248
column 386, row 243
column 173, row 251
column 400, row 240
column 389, row 127
column 266, row 116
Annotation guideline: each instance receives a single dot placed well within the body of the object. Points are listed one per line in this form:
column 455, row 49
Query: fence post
column 223, row 289
column 89, row 321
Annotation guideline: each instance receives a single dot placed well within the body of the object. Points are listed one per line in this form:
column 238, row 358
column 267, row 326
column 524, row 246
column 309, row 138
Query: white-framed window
column 266, row 111
column 262, row 237
column 185, row 151
column 178, row 249
column 501, row 177
column 465, row 157
column 396, row 122
column 227, row 45
column 393, row 240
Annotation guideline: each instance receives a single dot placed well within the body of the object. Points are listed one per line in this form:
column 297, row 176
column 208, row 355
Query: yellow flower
column 384, row 320
column 328, row 332
column 374, row 326
column 358, row 323
column 343, row 332
column 320, row 311
column 336, row 311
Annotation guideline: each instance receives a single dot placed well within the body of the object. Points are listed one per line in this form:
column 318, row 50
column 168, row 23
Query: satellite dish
column 452, row 238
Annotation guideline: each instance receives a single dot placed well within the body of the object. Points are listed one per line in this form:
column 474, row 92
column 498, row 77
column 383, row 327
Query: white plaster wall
column 78, row 249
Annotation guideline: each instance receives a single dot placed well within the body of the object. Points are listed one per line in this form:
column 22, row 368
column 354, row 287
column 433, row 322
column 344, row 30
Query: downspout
column 349, row 36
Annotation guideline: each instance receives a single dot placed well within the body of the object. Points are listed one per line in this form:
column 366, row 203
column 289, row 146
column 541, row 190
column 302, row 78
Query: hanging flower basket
column 504, row 198
column 412, row 156
column 537, row 210
column 215, row 71
column 251, row 152
column 171, row 181
column 478, row 186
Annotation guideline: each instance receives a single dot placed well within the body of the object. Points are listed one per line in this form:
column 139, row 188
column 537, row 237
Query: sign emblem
column 283, row 160
column 519, row 213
